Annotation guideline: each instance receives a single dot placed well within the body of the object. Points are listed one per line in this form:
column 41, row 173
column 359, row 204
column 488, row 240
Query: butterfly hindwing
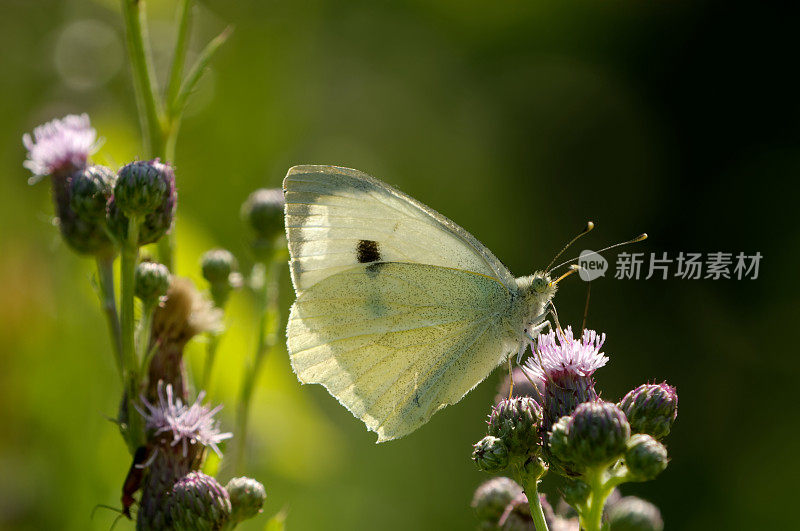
column 395, row 342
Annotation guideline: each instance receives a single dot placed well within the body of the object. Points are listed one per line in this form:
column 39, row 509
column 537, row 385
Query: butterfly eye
column 539, row 284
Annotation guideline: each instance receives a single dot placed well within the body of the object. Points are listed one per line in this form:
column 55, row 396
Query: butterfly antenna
column 639, row 238
column 589, row 226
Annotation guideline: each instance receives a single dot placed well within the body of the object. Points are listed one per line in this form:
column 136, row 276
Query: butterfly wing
column 396, row 342
column 338, row 217
column 399, row 311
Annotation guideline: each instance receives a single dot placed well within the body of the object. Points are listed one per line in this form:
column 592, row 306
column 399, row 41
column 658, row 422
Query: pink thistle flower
column 564, row 367
column 172, row 422
column 558, row 353
column 60, row 146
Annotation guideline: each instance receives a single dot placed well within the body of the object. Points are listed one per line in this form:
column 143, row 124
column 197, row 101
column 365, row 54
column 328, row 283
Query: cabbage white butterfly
column 399, row 311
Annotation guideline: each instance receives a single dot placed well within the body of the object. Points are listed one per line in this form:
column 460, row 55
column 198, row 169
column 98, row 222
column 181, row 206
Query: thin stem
column 269, row 321
column 143, row 336
column 181, row 46
column 531, row 486
column 211, row 353
column 105, row 275
column 130, row 255
column 133, row 12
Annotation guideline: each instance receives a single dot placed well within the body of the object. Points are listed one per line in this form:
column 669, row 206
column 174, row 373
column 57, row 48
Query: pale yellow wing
column 395, row 342
column 338, row 217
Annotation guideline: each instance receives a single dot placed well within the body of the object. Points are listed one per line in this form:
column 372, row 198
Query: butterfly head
column 537, row 289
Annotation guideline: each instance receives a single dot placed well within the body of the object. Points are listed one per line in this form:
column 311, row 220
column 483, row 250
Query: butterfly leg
column 552, row 311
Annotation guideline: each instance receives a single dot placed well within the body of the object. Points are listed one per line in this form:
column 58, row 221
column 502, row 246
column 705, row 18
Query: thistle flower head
column 559, row 352
column 173, row 423
column 185, row 313
column 59, row 146
column 564, row 367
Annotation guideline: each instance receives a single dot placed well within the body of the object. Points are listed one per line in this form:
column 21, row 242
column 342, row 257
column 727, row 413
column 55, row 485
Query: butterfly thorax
column 535, row 292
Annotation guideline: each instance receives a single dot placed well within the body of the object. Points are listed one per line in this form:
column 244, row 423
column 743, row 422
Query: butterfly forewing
column 334, row 213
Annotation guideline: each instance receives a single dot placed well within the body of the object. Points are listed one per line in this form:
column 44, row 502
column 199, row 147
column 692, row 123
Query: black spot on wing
column 367, row 251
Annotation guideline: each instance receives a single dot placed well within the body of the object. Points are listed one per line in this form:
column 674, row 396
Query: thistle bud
column 492, row 498
column 151, row 281
column 634, row 514
column 558, row 439
column 596, row 434
column 198, row 502
column 157, row 219
column 651, row 409
column 247, row 498
column 490, row 454
column 517, row 422
column 219, row 267
column 263, row 210
column 90, row 190
column 142, row 186
column 645, row 457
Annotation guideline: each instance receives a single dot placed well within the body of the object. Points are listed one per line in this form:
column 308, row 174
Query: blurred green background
column 518, row 119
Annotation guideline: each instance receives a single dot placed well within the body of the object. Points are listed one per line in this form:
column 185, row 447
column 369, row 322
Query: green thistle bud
column 517, row 422
column 645, row 458
column 198, row 502
column 151, row 281
column 559, row 439
column 218, row 264
column 490, row 454
column 90, row 190
column 596, row 434
column 219, row 267
column 263, row 210
column 247, row 498
column 142, row 186
column 634, row 514
column 492, row 498
column 651, row 409
column 156, row 221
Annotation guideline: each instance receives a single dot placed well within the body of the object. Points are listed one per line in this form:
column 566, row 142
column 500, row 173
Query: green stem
column 211, row 353
column 133, row 12
column 531, row 486
column 179, row 54
column 105, row 274
column 269, row 321
column 130, row 255
column 591, row 518
column 143, row 336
